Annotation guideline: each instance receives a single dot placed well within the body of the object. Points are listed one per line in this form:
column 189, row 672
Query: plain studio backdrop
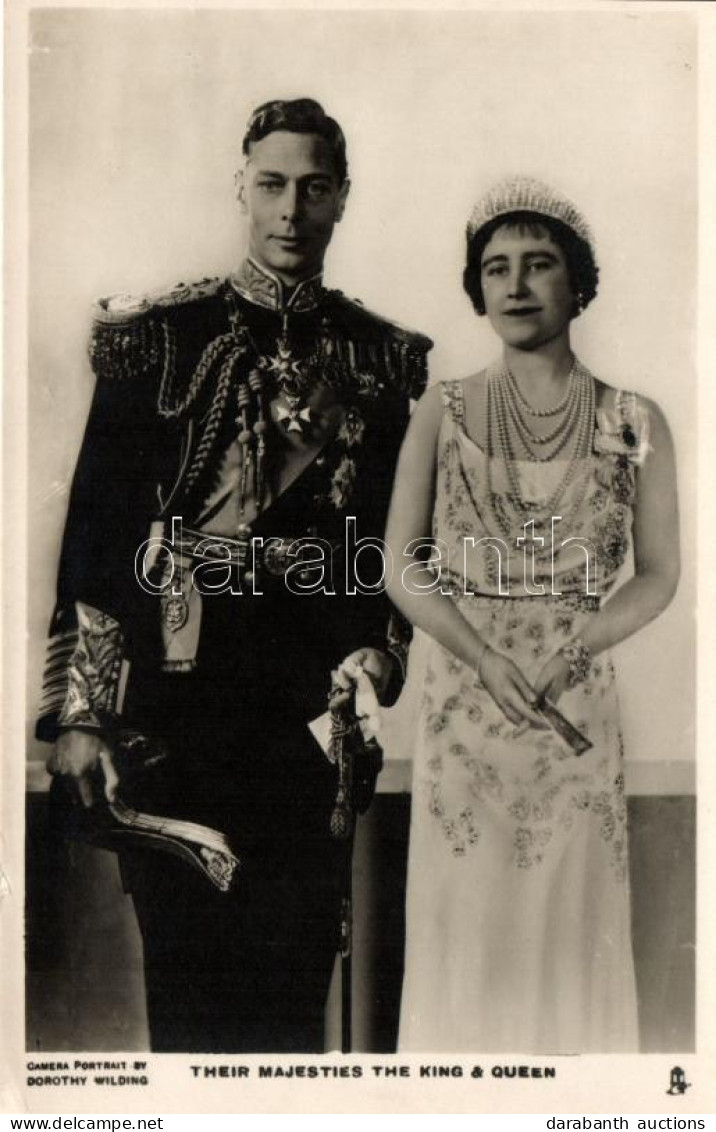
column 136, row 118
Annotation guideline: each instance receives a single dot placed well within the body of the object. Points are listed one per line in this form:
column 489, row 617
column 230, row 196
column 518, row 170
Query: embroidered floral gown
column 518, row 920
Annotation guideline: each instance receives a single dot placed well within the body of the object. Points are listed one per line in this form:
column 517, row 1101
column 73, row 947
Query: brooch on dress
column 623, row 435
column 623, row 432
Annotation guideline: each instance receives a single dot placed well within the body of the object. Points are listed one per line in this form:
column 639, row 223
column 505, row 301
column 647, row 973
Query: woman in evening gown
column 518, row 492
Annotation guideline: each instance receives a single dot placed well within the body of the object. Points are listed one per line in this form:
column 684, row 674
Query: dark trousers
column 247, row 971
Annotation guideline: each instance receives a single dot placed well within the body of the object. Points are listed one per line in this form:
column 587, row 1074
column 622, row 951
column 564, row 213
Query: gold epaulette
column 372, row 341
column 131, row 336
column 121, row 309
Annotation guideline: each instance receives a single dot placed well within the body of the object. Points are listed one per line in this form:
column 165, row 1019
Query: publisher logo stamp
column 677, row 1083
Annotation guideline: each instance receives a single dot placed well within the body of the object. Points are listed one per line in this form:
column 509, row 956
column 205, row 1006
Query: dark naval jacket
column 229, row 678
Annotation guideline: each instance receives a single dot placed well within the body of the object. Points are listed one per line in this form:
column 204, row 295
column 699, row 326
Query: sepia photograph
column 352, row 656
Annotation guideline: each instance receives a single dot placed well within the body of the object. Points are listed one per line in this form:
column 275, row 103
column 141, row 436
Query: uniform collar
column 262, row 287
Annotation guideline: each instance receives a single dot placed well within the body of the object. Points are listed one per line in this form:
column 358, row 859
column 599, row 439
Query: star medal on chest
column 292, row 383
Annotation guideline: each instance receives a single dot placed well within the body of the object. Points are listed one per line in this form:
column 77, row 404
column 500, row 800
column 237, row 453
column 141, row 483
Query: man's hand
column 76, row 756
column 378, row 665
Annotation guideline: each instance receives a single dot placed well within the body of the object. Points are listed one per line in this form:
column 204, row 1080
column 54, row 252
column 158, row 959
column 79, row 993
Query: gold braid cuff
column 93, row 672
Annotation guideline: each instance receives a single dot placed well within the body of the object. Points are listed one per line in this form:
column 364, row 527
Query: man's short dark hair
column 298, row 116
column 581, row 266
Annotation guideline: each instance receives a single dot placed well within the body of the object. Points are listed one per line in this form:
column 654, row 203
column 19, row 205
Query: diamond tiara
column 527, row 194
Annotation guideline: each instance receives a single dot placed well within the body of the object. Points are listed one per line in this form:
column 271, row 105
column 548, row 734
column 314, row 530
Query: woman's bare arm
column 415, row 593
column 656, row 559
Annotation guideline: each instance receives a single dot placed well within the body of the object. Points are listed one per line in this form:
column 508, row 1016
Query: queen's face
column 526, row 287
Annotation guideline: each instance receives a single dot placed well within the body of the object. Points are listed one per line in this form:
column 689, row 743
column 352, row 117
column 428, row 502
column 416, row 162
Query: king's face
column 290, row 193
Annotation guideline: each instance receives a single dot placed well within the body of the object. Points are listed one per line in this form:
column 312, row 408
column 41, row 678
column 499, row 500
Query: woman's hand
column 553, row 679
column 510, row 690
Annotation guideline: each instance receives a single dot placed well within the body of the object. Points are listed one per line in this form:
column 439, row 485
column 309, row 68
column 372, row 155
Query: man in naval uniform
column 263, row 411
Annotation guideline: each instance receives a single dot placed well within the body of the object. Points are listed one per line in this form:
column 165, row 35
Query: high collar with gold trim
column 260, row 286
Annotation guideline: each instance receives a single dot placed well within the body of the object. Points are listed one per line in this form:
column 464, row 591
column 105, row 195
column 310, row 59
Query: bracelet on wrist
column 579, row 661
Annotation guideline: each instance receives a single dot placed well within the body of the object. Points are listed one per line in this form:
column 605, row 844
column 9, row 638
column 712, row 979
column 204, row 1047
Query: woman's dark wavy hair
column 298, row 116
column 581, row 266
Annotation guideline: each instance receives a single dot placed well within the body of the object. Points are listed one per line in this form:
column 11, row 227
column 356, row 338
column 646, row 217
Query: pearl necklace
column 536, row 444
column 524, row 404
column 575, row 431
